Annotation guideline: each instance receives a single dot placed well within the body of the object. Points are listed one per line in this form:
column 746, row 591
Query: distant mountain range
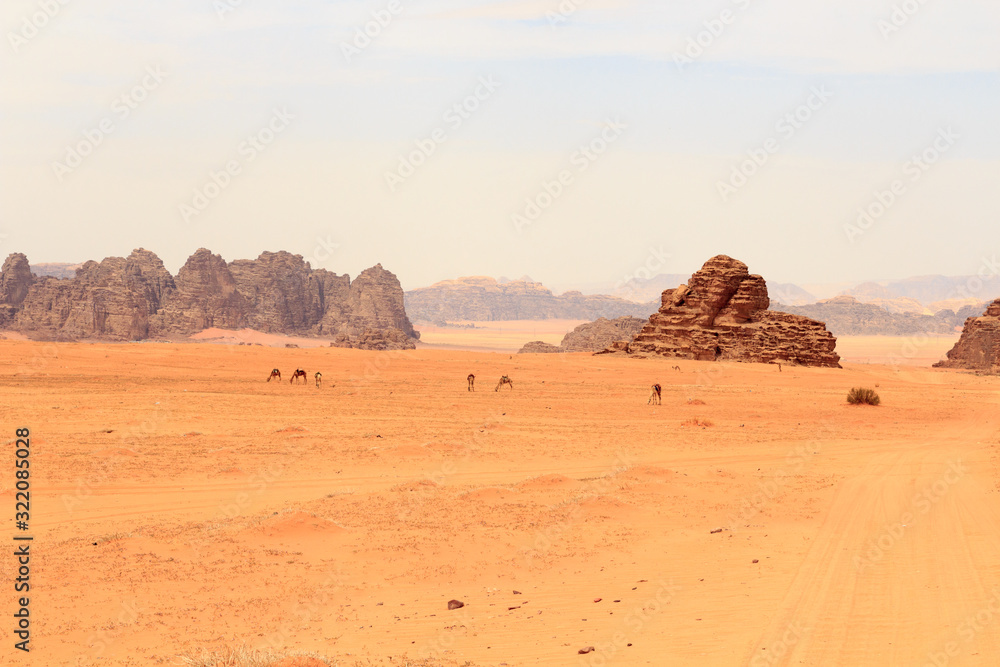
column 484, row 299
column 846, row 316
column 931, row 304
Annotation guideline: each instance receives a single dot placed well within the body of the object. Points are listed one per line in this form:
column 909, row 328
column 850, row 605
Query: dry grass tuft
column 862, row 396
column 244, row 656
column 703, row 423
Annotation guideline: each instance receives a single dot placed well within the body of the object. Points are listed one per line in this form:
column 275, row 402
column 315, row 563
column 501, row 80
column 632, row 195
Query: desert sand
column 182, row 506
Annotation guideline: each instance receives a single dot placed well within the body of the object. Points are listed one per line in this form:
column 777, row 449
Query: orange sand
column 180, row 503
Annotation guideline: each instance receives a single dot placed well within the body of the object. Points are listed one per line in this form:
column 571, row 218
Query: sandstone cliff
column 979, row 346
column 111, row 300
column 15, row 280
column 135, row 298
column 722, row 315
column 482, row 299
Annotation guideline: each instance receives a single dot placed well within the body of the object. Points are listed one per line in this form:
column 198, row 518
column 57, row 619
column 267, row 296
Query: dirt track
column 227, row 510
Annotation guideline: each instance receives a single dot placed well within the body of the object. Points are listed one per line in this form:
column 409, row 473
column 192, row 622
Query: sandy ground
column 182, row 504
column 507, row 336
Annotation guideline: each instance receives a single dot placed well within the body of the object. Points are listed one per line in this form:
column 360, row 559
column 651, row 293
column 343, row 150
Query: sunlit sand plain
column 182, row 504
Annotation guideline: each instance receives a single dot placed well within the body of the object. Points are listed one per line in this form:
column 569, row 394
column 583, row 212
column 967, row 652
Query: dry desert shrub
column 245, row 656
column 703, row 423
column 862, row 396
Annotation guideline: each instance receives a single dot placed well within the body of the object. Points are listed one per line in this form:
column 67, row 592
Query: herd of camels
column 654, row 395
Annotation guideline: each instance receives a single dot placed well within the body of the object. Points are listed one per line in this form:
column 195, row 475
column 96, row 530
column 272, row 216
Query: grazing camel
column 299, row 373
column 274, row 374
column 654, row 396
column 472, row 382
column 504, row 380
column 319, row 379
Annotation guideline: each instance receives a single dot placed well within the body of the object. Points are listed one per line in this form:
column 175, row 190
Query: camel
column 472, row 382
column 504, row 380
column 654, row 396
column 274, row 374
column 319, row 379
column 299, row 373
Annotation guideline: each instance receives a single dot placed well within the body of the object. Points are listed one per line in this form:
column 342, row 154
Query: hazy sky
column 647, row 133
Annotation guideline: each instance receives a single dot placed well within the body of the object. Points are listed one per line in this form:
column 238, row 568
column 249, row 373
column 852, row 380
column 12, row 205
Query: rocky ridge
column 136, row 298
column 979, row 346
column 483, row 299
column 722, row 315
column 846, row 316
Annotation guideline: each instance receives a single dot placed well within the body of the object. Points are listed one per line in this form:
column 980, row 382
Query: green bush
column 861, row 396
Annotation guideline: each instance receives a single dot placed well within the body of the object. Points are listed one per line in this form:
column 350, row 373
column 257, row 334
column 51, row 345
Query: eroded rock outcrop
column 15, row 280
column 722, row 315
column 110, row 300
column 979, row 346
column 135, row 298
column 205, row 297
column 592, row 336
column 540, row 347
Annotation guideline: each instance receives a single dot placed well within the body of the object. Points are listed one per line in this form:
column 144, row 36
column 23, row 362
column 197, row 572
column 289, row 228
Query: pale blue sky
column 322, row 180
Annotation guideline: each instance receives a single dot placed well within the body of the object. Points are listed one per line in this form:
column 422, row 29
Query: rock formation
column 540, row 347
column 136, row 298
column 846, row 316
column 111, row 300
column 591, row 337
column 979, row 346
column 722, row 315
column 15, row 280
column 481, row 299
column 205, row 297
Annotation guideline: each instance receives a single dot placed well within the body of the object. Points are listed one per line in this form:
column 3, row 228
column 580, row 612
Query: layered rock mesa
column 591, row 337
column 484, row 299
column 722, row 315
column 136, row 298
column 846, row 316
column 979, row 346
